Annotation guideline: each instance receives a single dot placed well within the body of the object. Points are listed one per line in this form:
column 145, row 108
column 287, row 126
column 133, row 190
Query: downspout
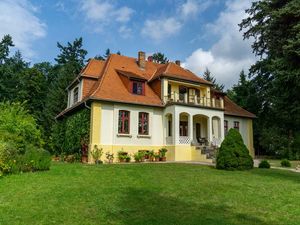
column 86, row 106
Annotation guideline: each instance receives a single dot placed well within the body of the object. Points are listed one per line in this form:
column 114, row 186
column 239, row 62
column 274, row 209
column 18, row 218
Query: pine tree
column 5, row 44
column 160, row 58
column 207, row 76
column 274, row 27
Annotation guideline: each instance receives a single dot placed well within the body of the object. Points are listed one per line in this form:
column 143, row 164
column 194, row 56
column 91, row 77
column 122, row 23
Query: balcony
column 194, row 100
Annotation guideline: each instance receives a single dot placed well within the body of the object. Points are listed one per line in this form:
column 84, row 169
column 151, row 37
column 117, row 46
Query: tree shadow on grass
column 278, row 174
column 139, row 206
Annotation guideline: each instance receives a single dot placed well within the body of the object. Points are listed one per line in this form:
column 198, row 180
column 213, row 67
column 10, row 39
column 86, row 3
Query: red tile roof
column 232, row 109
column 175, row 71
column 102, row 80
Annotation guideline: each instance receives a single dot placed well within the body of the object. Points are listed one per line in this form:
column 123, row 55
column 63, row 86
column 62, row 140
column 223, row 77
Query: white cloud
column 230, row 54
column 102, row 13
column 123, row 14
column 125, row 32
column 161, row 28
column 164, row 27
column 192, row 7
column 18, row 19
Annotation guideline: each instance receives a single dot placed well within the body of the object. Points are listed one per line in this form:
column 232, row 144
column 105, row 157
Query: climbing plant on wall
column 70, row 133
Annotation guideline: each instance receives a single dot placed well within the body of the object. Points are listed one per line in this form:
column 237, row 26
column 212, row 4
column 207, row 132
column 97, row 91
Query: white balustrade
column 184, row 140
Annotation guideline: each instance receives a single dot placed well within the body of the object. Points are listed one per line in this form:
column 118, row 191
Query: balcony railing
column 194, row 100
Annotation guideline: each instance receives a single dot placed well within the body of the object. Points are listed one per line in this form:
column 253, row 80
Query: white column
column 190, row 125
column 209, row 126
column 222, row 129
column 176, row 128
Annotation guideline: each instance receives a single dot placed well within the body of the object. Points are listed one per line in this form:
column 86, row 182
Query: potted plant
column 127, row 158
column 138, row 156
column 109, row 157
column 122, row 156
column 151, row 155
column 162, row 153
column 96, row 154
column 156, row 156
column 143, row 155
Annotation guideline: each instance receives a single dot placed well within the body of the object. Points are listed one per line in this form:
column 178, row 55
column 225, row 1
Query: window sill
column 124, row 135
column 143, row 136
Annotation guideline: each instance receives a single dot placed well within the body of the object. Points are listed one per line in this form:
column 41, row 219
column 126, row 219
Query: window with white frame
column 75, row 95
column 143, row 123
column 236, row 125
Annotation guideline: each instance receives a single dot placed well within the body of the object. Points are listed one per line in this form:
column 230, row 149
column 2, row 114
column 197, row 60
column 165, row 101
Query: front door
column 183, row 126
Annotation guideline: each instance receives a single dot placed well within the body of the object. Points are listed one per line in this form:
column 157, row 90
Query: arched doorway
column 200, row 128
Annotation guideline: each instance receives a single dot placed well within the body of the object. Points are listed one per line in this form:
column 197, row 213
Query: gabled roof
column 131, row 75
column 232, row 109
column 104, row 80
column 93, row 68
column 172, row 70
column 111, row 88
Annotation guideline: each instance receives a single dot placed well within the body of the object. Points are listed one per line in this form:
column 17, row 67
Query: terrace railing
column 194, row 100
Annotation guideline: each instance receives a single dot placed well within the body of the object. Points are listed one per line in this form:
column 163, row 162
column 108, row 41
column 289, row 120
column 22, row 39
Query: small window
column 143, row 123
column 75, row 95
column 225, row 127
column 236, row 125
column 124, row 122
column 138, row 88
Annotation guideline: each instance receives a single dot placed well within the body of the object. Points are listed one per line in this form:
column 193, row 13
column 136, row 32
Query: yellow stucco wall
column 250, row 137
column 95, row 131
column 175, row 153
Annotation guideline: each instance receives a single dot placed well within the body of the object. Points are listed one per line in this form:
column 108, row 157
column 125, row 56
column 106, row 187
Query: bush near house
column 233, row 154
column 69, row 134
column 285, row 163
column 264, row 164
column 20, row 141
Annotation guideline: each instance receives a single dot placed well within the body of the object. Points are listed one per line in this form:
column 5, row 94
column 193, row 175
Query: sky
column 200, row 33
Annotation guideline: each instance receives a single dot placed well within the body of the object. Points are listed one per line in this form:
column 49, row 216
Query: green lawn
column 150, row 194
column 276, row 163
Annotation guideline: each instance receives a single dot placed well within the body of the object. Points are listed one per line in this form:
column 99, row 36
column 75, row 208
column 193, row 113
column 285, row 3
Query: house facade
column 137, row 104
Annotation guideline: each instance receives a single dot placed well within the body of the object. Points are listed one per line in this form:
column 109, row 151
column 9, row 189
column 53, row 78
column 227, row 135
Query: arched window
column 75, row 95
column 143, row 123
column 124, row 122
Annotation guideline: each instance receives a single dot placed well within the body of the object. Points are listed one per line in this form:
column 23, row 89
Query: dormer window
column 138, row 87
column 75, row 95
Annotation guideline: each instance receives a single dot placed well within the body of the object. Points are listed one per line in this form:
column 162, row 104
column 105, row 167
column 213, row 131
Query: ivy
column 69, row 134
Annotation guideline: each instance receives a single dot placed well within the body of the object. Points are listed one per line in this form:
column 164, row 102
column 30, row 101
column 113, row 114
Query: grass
column 138, row 194
column 276, row 163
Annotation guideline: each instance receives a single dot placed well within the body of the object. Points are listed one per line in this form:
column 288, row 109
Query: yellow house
column 137, row 104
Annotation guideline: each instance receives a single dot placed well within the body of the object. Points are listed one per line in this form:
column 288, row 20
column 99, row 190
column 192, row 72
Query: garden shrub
column 233, row 154
column 285, row 163
column 20, row 141
column 18, row 126
column 264, row 164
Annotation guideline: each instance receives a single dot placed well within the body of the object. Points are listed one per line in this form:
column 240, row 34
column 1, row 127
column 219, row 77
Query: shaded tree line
column 41, row 87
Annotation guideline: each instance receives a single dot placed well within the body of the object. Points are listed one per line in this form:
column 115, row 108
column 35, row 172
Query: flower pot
column 163, row 159
column 121, row 160
column 84, row 159
column 156, row 159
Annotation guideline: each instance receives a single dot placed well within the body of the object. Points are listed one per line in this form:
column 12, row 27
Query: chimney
column 177, row 62
column 150, row 58
column 141, row 60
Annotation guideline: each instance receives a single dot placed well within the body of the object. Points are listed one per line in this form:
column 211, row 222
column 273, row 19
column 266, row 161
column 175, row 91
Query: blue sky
column 200, row 33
